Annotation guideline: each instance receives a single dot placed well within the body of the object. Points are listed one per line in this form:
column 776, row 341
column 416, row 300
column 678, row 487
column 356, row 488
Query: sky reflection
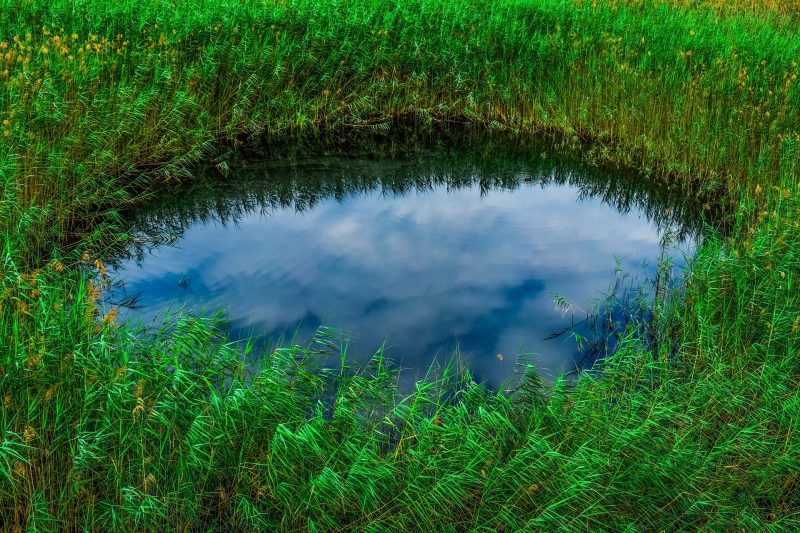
column 424, row 271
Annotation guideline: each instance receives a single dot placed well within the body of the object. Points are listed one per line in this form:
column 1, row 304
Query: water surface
column 430, row 254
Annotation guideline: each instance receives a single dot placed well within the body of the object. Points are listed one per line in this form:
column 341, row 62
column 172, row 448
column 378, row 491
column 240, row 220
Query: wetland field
column 399, row 265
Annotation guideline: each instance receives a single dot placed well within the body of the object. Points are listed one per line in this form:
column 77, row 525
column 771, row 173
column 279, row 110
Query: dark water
column 430, row 253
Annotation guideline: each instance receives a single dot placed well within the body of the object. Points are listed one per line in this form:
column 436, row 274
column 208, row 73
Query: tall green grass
column 130, row 93
column 106, row 427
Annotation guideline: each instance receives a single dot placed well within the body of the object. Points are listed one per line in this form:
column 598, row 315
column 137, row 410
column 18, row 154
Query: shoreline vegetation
column 105, row 427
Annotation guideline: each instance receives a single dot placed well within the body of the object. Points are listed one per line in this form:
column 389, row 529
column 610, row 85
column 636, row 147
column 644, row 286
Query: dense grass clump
column 103, row 104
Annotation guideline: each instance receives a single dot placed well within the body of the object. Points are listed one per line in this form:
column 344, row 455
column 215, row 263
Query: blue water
column 451, row 265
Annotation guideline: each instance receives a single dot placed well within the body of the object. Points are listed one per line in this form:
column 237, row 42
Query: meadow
column 104, row 105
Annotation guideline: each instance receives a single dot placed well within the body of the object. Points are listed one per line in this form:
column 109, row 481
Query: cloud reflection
column 425, row 271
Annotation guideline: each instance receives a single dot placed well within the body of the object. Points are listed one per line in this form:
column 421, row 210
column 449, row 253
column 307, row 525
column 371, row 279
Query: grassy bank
column 130, row 93
column 103, row 103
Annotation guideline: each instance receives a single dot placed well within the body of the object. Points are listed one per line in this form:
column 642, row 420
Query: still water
column 429, row 254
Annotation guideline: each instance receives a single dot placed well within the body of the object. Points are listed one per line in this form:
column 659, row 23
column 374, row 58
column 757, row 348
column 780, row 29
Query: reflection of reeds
column 305, row 180
column 628, row 309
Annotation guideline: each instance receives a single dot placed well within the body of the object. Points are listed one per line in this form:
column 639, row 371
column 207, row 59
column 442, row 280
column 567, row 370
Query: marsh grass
column 129, row 94
column 125, row 429
column 105, row 427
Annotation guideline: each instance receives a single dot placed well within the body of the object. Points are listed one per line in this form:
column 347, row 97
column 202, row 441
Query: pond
column 429, row 254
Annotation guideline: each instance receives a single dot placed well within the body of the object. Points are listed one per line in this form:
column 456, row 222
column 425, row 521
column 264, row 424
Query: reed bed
column 103, row 104
column 129, row 94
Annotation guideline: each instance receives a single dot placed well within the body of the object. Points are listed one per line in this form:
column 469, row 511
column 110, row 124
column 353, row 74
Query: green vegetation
column 104, row 103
